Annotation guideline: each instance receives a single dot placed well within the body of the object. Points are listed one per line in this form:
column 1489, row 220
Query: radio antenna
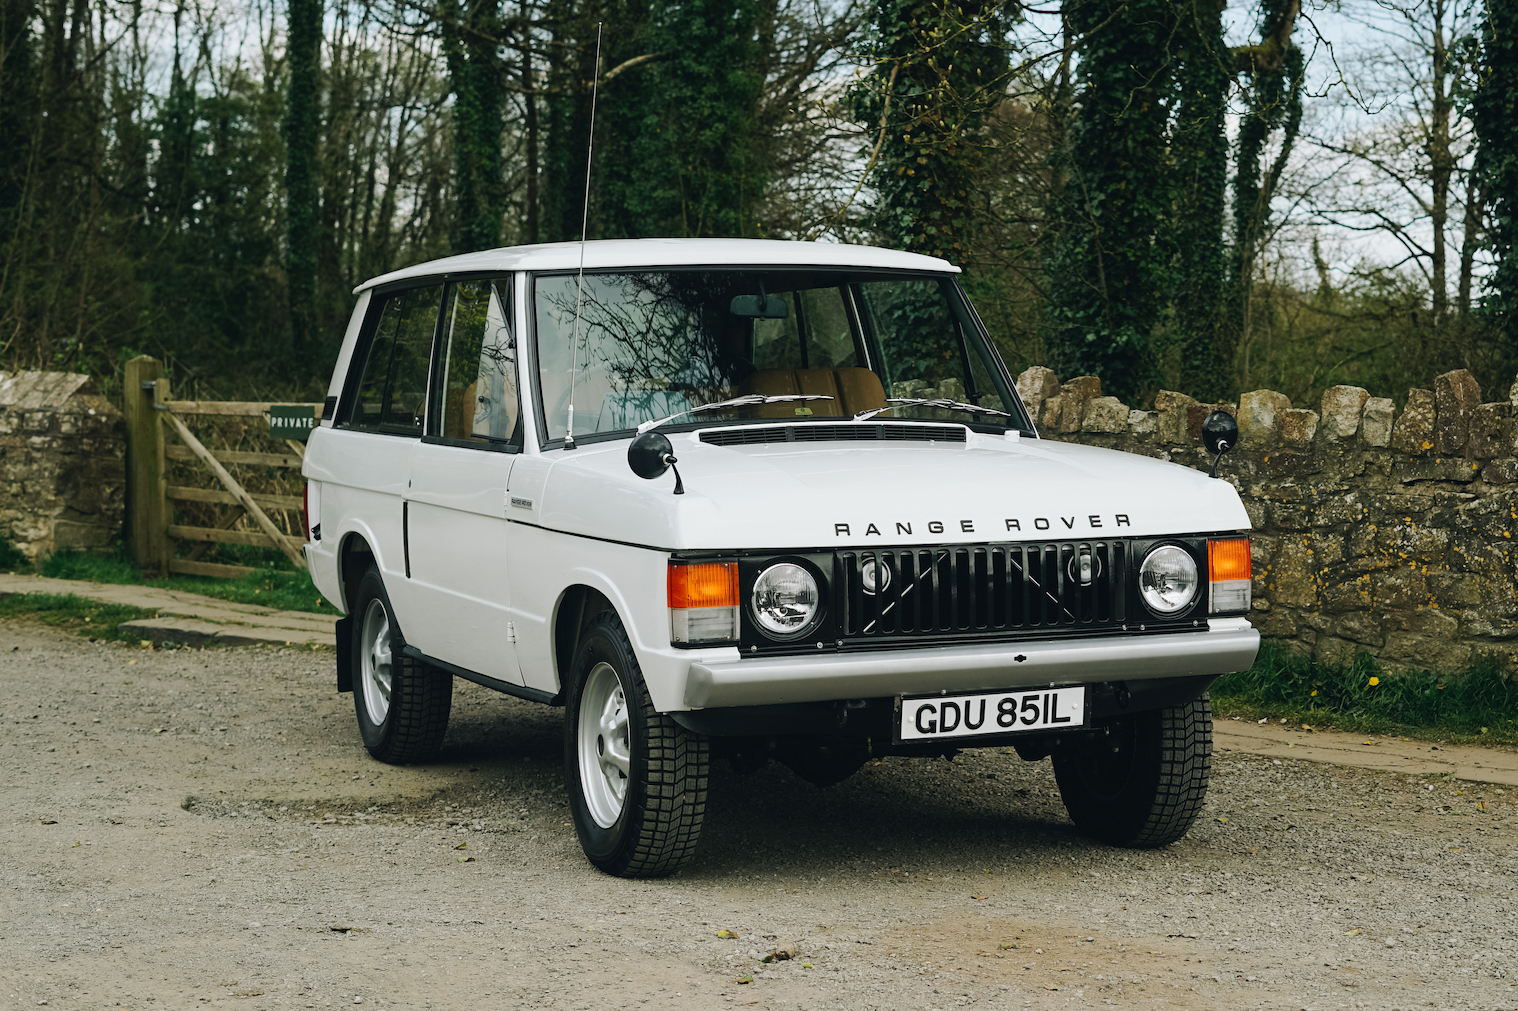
column 590, row 150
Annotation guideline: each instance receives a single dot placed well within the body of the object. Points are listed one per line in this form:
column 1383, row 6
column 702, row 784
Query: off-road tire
column 1147, row 792
column 659, row 822
column 411, row 728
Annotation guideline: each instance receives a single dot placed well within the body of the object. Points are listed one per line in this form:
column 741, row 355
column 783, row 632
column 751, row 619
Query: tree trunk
column 302, row 200
column 1441, row 164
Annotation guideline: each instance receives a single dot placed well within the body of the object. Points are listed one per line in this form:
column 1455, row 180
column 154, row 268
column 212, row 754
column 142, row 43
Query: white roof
column 603, row 253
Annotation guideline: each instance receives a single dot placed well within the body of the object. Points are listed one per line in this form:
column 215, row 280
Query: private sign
column 291, row 421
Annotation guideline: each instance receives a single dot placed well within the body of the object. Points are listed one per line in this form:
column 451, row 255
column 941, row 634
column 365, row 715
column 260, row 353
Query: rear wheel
column 637, row 780
column 1142, row 783
column 402, row 704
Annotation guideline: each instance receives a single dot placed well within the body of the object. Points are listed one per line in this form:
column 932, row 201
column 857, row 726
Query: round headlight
column 1168, row 579
column 785, row 600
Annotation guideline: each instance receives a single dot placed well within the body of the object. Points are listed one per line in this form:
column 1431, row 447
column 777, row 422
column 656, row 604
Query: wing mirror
column 651, row 455
column 1220, row 433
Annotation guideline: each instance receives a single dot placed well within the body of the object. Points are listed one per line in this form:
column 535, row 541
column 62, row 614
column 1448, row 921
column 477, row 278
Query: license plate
column 936, row 717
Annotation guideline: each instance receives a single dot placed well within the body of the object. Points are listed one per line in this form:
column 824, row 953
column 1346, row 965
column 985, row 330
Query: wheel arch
column 576, row 608
column 354, row 555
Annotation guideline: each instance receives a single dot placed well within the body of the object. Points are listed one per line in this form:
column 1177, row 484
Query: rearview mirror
column 759, row 307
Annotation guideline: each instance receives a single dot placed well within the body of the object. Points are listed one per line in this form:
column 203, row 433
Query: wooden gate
column 154, row 463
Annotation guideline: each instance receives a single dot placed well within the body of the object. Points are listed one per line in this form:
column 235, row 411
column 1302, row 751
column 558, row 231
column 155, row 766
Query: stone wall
column 1376, row 530
column 62, row 463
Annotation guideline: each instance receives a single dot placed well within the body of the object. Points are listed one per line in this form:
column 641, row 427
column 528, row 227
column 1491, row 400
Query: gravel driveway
column 194, row 828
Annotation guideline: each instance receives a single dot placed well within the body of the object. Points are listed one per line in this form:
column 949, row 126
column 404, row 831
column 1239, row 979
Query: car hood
column 797, row 496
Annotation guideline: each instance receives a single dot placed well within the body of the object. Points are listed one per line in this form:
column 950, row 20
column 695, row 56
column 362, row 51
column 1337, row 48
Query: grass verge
column 73, row 614
column 1478, row 706
column 282, row 589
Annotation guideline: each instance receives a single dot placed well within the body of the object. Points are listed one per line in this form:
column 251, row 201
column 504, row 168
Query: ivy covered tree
column 695, row 165
column 1272, row 74
column 301, row 130
column 938, row 69
column 1107, row 271
column 1197, row 174
column 471, row 31
column 1495, row 111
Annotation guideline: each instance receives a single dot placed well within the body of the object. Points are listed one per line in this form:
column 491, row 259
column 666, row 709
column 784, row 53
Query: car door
column 457, row 531
column 379, row 421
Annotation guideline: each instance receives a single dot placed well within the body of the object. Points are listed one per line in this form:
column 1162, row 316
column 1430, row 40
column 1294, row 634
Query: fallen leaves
column 745, row 979
column 979, row 897
column 1222, row 819
column 1353, row 933
column 727, row 935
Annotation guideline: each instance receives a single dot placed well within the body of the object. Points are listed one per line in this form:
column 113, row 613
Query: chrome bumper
column 1229, row 645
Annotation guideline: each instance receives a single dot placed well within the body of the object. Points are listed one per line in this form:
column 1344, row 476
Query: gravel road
column 203, row 828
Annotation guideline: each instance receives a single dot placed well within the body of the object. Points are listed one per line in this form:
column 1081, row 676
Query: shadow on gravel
column 503, row 759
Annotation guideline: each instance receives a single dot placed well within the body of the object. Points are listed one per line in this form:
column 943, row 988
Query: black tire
column 1143, row 784
column 650, row 828
column 408, row 725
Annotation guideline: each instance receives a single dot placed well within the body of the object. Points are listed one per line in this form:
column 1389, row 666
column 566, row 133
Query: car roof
column 603, row 253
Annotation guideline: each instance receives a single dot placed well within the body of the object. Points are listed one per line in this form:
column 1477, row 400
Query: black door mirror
column 651, row 455
column 1220, row 433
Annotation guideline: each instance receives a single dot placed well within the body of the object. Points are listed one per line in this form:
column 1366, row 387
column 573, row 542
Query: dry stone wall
column 1374, row 530
column 62, row 463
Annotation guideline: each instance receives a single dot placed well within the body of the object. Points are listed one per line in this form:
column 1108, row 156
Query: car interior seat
column 852, row 389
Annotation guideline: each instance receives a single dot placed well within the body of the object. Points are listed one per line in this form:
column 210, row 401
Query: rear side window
column 476, row 400
column 392, row 396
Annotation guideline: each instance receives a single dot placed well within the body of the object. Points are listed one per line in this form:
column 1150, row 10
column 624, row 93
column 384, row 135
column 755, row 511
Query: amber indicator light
column 1228, row 559
column 704, row 584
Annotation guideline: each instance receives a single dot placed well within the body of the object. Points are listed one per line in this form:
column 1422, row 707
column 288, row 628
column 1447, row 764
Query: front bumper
column 1229, row 645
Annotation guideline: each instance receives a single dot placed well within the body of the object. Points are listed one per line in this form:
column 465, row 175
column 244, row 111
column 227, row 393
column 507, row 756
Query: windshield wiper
column 944, row 405
column 748, row 400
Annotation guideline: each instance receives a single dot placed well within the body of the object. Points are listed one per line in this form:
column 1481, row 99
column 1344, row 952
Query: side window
column 830, row 338
column 477, row 397
column 815, row 333
column 777, row 342
column 392, row 396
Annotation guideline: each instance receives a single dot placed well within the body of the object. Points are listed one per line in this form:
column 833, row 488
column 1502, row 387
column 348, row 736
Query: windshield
column 656, row 343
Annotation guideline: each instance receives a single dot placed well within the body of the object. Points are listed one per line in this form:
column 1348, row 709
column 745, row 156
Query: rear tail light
column 305, row 510
column 1229, row 574
column 703, row 602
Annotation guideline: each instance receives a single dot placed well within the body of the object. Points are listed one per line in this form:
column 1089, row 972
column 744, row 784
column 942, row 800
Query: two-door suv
column 754, row 500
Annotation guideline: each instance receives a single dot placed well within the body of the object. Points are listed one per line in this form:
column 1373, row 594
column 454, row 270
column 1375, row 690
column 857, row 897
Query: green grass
column 73, row 614
column 280, row 588
column 1478, row 706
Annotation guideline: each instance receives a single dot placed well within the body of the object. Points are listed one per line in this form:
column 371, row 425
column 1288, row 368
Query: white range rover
column 754, row 500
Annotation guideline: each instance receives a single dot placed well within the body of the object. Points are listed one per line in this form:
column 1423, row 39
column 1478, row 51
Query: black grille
column 975, row 591
column 816, row 432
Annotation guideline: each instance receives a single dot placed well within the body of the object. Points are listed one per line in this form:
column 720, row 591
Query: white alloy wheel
column 604, row 745
column 376, row 643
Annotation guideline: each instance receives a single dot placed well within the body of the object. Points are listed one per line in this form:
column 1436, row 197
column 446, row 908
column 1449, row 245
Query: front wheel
column 402, row 704
column 1142, row 781
column 637, row 780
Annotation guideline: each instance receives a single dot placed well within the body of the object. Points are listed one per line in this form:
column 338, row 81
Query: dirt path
column 220, row 838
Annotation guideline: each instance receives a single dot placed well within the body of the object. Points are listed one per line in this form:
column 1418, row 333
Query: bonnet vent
column 816, row 432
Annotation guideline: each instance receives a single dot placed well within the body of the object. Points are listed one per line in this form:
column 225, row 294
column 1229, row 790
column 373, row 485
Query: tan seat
column 853, row 390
